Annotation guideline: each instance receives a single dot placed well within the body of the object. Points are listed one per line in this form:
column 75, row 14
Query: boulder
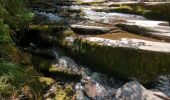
column 156, row 29
column 135, row 91
column 85, row 29
column 46, row 53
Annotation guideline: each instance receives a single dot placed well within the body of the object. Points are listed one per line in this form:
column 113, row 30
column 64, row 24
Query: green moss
column 123, row 9
column 158, row 12
column 41, row 63
column 10, row 52
column 64, row 94
column 16, row 79
column 47, row 81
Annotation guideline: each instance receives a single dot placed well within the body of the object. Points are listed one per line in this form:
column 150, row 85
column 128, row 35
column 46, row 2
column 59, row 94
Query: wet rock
column 156, row 29
column 47, row 53
column 135, row 91
column 43, row 17
column 132, row 43
column 163, row 84
column 79, row 92
column 109, row 18
column 85, row 29
column 100, row 78
column 130, row 58
column 68, row 63
column 95, row 90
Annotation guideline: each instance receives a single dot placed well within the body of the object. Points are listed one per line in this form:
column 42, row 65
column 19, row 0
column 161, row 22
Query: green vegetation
column 14, row 14
column 4, row 32
column 14, row 78
column 11, row 77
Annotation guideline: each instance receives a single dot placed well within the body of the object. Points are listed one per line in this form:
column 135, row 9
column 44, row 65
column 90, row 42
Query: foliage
column 158, row 12
column 11, row 77
column 4, row 32
column 14, row 13
column 15, row 78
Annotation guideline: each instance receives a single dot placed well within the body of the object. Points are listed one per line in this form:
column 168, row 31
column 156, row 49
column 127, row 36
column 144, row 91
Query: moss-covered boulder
column 127, row 58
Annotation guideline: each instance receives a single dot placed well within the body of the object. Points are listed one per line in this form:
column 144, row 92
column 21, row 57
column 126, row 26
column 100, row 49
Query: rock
column 84, row 29
column 124, row 58
column 156, row 29
column 135, row 91
column 100, row 78
column 93, row 89
column 163, row 84
column 47, row 53
column 66, row 62
column 79, row 92
column 111, row 17
column 132, row 43
column 43, row 18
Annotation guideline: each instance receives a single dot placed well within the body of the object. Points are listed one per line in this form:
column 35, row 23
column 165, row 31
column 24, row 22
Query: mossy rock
column 125, row 63
column 61, row 93
column 9, row 51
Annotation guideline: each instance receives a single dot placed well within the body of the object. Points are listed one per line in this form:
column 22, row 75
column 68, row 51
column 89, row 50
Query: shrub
column 4, row 32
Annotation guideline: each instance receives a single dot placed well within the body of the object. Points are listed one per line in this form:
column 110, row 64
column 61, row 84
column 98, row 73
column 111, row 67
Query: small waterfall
column 49, row 16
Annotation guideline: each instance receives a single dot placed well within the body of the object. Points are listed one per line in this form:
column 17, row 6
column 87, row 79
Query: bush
column 14, row 13
column 11, row 77
column 4, row 32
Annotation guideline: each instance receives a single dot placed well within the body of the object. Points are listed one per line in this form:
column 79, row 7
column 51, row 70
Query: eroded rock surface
column 156, row 29
column 85, row 29
column 135, row 91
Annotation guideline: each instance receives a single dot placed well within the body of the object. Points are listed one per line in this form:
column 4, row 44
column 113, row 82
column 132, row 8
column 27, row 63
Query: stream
column 92, row 85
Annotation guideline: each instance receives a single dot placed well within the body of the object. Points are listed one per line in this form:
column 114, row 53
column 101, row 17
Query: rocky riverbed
column 81, row 20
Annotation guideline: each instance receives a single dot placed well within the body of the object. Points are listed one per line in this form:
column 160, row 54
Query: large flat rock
column 86, row 29
column 156, row 29
column 133, row 43
column 137, row 59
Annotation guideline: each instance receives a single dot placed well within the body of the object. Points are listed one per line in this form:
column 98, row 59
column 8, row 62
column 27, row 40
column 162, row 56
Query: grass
column 4, row 32
column 14, row 13
column 16, row 80
column 12, row 77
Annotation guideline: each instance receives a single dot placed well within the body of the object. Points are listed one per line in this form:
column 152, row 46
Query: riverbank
column 70, row 50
